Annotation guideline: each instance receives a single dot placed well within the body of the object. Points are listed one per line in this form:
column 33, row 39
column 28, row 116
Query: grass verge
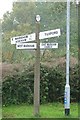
column 54, row 110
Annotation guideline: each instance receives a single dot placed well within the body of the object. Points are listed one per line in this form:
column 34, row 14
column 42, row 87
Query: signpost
column 22, row 43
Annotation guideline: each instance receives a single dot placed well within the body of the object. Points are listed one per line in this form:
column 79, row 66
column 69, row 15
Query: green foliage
column 50, row 89
column 7, row 24
column 22, row 21
column 19, row 88
column 74, row 83
column 18, row 22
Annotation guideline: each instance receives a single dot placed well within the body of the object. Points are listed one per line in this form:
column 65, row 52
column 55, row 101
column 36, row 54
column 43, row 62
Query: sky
column 5, row 5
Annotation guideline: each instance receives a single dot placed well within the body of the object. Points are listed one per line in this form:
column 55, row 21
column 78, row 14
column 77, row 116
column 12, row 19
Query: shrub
column 19, row 88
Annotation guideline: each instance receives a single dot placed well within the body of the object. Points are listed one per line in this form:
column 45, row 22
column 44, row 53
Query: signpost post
column 37, row 70
column 67, row 86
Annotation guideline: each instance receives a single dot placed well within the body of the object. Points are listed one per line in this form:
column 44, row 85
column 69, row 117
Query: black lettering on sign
column 28, row 45
column 21, row 37
column 54, row 44
column 19, row 45
column 51, row 33
column 23, row 40
column 56, row 32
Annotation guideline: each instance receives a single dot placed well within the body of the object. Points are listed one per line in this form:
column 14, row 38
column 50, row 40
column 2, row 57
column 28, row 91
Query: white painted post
column 67, row 86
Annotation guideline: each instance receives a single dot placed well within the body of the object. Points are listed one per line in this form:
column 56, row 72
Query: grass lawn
column 54, row 110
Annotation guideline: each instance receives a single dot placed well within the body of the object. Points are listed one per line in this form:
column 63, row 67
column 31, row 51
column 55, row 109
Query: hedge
column 19, row 88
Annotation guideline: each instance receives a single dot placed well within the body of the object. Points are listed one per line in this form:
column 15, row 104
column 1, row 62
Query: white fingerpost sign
column 23, row 39
column 49, row 34
column 48, row 45
column 26, row 46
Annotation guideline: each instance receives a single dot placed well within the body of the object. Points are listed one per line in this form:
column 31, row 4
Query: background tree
column 22, row 21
